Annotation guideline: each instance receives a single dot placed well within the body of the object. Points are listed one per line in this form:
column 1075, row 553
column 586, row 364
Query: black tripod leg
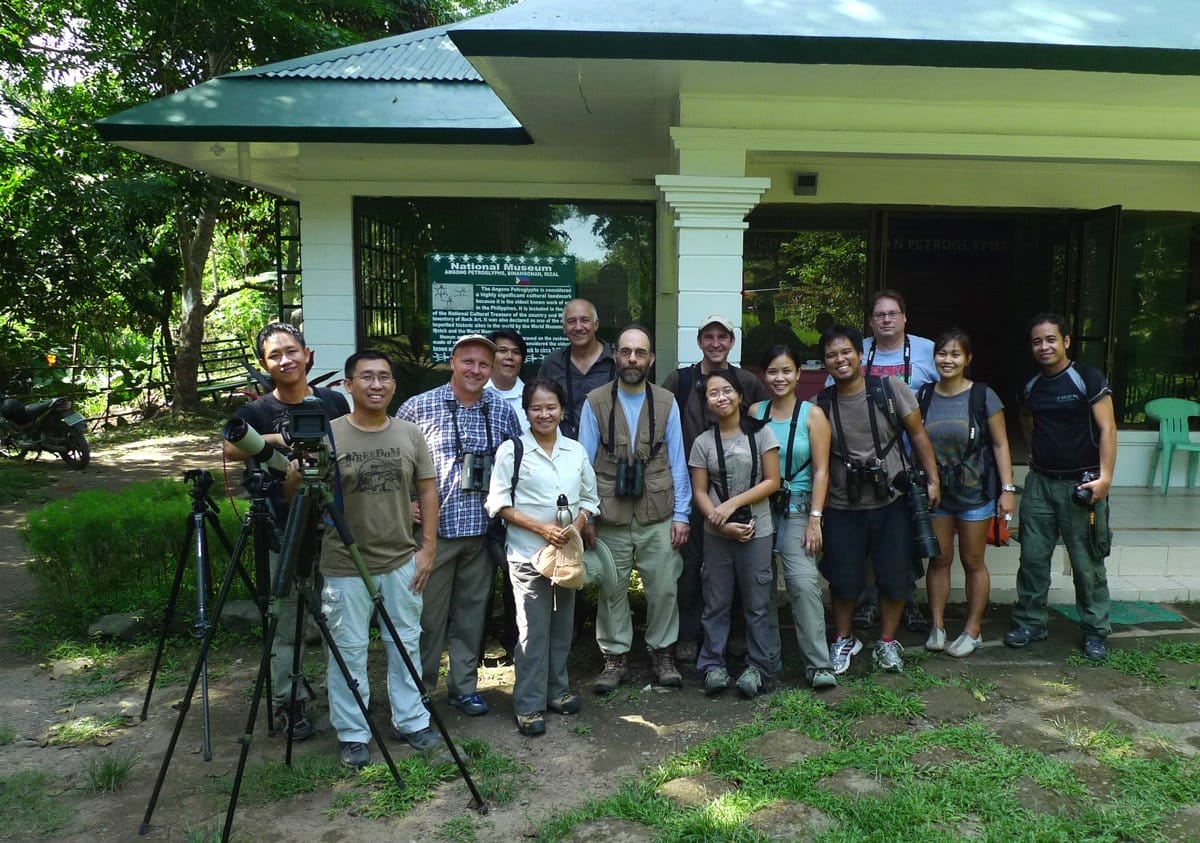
column 202, row 627
column 296, row 676
column 186, row 703
column 168, row 613
column 348, row 540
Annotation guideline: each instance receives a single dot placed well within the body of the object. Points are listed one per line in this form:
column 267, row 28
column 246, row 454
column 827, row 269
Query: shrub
column 101, row 551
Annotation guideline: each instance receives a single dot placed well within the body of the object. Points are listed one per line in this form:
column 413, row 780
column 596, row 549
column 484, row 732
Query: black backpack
column 881, row 394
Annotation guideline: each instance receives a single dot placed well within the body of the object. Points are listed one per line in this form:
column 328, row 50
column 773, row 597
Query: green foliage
column 25, row 481
column 458, row 830
column 102, row 551
column 1142, row 662
column 84, row 729
column 7, row 735
column 107, row 770
column 269, row 781
column 30, row 806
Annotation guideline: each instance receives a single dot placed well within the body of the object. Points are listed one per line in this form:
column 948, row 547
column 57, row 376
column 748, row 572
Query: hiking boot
column 302, row 727
column 531, row 725
column 353, row 754
column 822, row 679
column 841, row 651
column 568, row 703
column 750, row 682
column 866, row 615
column 420, row 740
column 612, row 676
column 471, row 705
column 716, row 680
column 887, row 655
column 936, row 642
column 686, row 653
column 1094, row 649
column 1020, row 636
column 914, row 621
column 663, row 667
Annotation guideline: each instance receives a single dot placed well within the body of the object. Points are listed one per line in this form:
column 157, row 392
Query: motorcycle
column 48, row 425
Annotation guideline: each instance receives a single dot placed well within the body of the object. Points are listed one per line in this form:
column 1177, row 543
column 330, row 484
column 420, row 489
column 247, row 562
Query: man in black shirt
column 582, row 365
column 1073, row 452
column 286, row 358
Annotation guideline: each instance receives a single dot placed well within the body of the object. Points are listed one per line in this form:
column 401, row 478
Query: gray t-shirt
column 859, row 445
column 737, row 464
column 949, row 427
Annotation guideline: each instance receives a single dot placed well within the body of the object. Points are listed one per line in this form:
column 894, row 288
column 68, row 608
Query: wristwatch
column 1008, row 487
column 816, row 513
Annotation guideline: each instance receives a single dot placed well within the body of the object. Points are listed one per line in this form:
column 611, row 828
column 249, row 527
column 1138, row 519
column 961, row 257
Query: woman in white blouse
column 551, row 465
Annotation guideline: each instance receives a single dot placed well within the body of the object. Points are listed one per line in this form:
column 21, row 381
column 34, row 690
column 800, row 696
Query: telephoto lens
column 913, row 483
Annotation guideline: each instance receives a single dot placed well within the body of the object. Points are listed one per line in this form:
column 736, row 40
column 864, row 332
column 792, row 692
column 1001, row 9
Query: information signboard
column 478, row 293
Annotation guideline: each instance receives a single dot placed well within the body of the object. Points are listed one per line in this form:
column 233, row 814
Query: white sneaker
column 887, row 655
column 841, row 651
column 964, row 645
column 936, row 642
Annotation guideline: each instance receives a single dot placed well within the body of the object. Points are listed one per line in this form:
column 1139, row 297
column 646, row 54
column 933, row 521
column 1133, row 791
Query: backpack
column 496, row 537
column 881, row 394
column 978, row 436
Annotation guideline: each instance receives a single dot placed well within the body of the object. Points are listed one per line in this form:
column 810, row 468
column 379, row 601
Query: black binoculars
column 859, row 475
column 631, row 478
column 476, row 472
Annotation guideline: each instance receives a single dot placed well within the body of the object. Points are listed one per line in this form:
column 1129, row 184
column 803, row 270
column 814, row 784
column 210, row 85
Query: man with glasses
column 284, row 355
column 506, row 372
column 631, row 432
column 583, row 365
column 463, row 423
column 715, row 339
column 891, row 351
column 382, row 463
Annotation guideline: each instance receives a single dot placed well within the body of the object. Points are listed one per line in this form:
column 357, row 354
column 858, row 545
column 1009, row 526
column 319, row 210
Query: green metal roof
column 1121, row 36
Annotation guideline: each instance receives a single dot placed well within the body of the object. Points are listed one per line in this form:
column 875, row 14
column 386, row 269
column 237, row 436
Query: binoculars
column 631, row 478
column 859, row 475
column 476, row 472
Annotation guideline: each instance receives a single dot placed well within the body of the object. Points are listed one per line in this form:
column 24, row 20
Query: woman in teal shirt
column 804, row 438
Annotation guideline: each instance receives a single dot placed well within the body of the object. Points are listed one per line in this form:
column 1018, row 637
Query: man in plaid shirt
column 463, row 425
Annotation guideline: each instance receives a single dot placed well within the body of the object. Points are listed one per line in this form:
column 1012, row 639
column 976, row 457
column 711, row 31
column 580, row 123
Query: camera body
column 781, row 502
column 476, row 471
column 1082, row 496
column 306, row 430
column 631, row 478
column 914, row 484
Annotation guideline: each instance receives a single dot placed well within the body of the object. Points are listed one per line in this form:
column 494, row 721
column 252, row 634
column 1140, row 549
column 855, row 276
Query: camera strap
column 872, row 384
column 723, row 488
column 655, row 447
column 487, row 427
column 907, row 359
column 788, row 474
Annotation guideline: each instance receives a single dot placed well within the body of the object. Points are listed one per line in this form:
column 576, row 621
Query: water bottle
column 563, row 516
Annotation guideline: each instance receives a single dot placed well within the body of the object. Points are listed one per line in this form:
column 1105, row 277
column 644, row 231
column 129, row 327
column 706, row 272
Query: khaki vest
column 658, row 498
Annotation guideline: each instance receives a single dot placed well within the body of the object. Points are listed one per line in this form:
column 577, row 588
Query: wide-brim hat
column 599, row 567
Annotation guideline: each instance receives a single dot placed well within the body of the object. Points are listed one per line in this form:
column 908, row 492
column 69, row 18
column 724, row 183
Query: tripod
column 204, row 513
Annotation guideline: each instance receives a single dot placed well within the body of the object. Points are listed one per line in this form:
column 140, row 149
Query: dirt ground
column 579, row 758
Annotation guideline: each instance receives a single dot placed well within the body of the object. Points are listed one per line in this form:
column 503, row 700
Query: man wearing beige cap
column 715, row 339
column 463, row 426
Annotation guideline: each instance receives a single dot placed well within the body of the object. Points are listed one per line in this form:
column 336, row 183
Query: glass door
column 1091, row 284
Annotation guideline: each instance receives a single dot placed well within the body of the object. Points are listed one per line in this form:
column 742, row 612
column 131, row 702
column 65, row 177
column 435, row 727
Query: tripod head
column 201, row 481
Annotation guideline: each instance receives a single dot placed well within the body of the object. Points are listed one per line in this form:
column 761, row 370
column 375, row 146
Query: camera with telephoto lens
column 1083, row 496
column 914, row 484
column 476, row 471
column 631, row 478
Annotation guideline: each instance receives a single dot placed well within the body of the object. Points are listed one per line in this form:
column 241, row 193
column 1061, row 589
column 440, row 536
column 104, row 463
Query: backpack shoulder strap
column 925, row 398
column 1077, row 380
column 977, row 419
column 518, row 454
column 881, row 392
column 1029, row 385
column 683, row 389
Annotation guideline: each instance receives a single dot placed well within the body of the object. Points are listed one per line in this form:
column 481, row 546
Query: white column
column 710, row 218
column 327, row 264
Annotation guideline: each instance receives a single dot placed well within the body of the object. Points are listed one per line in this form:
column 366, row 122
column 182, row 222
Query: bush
column 102, row 551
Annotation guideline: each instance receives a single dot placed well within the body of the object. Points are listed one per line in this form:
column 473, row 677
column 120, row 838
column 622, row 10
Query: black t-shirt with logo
column 1065, row 437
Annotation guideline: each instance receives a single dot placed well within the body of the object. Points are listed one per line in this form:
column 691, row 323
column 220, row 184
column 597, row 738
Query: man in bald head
column 584, row 364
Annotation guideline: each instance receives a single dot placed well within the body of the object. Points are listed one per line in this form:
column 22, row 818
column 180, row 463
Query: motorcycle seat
column 33, row 410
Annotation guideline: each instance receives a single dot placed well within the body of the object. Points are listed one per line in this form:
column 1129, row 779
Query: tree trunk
column 191, row 323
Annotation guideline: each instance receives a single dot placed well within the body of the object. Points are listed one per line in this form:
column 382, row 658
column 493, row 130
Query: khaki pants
column 456, row 603
column 648, row 548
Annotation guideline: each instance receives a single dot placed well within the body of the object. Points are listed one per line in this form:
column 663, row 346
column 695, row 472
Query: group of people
column 710, row 486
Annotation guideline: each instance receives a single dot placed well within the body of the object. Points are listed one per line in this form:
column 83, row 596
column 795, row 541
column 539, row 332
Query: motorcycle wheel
column 78, row 453
column 10, row 451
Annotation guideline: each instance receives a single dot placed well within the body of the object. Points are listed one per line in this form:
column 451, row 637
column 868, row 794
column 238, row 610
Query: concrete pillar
column 710, row 218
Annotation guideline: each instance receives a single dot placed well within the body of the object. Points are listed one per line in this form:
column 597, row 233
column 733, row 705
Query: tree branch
column 220, row 295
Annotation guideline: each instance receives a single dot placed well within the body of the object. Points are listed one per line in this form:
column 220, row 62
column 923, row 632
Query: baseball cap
column 466, row 339
column 716, row 320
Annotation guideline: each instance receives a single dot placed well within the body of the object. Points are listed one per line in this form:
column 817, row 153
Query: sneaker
column 612, row 676
column 716, row 680
column 841, row 651
column 568, row 703
column 866, row 615
column 1094, row 649
column 302, row 727
column 663, row 666
column 822, row 678
column 750, row 682
column 914, row 621
column 353, row 754
column 420, row 740
column 1020, row 636
column 936, row 642
column 531, row 725
column 471, row 705
column 964, row 645
column 887, row 655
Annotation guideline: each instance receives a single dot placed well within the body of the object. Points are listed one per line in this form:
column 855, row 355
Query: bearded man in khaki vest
column 631, row 431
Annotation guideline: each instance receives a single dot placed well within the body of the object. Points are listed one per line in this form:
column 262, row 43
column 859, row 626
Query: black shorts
column 884, row 536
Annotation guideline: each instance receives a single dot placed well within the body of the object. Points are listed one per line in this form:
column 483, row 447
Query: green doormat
column 1127, row 612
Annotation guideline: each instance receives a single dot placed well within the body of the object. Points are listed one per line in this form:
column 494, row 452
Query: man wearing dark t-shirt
column 282, row 352
column 1074, row 431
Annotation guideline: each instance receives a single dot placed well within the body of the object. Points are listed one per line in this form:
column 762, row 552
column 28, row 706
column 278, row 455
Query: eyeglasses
column 382, row 380
column 889, row 316
column 727, row 392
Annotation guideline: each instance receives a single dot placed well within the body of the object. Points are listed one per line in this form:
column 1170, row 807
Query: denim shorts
column 980, row 513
